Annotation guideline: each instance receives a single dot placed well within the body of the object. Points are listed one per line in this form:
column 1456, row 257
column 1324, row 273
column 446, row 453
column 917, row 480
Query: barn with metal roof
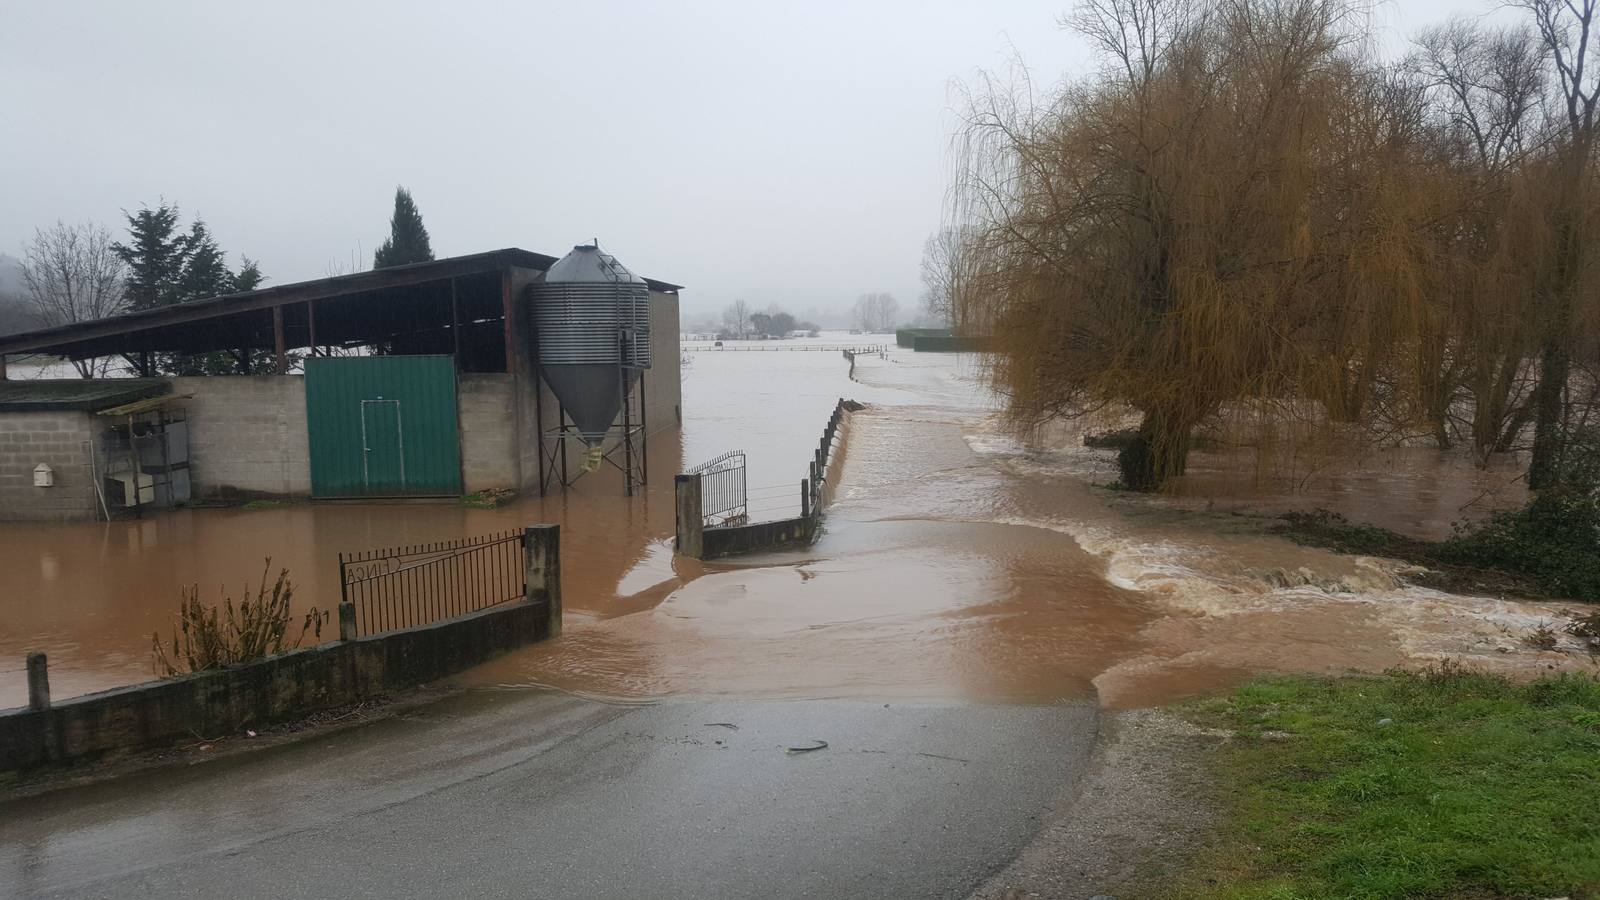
column 417, row 380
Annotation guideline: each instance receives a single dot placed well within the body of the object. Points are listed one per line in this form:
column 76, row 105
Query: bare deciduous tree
column 876, row 312
column 72, row 274
column 736, row 320
column 946, row 274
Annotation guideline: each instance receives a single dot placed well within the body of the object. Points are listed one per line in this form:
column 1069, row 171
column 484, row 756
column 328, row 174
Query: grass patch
column 1446, row 783
column 493, row 498
column 267, row 504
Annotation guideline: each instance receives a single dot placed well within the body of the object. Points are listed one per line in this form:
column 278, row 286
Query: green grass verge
column 1440, row 784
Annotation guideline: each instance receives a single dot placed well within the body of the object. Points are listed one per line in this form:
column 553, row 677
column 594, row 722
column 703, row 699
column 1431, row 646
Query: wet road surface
column 539, row 794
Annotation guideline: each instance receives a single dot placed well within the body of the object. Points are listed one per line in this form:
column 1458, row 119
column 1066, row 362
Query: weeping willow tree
column 1225, row 214
column 1244, row 212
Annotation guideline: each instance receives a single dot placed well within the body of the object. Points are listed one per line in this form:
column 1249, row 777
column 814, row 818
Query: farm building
column 433, row 379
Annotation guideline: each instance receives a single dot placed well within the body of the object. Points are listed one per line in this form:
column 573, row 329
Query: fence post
column 805, row 498
column 38, row 682
column 690, row 524
column 542, row 570
column 347, row 620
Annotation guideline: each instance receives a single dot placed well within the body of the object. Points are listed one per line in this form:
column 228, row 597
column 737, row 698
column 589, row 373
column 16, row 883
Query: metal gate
column 401, row 587
column 383, row 426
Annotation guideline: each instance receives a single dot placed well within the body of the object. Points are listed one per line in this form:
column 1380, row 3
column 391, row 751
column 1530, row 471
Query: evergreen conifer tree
column 408, row 239
column 205, row 271
column 169, row 266
column 156, row 254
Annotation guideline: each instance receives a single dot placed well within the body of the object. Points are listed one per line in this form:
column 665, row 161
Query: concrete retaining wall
column 729, row 540
column 60, row 439
column 288, row 686
column 247, row 435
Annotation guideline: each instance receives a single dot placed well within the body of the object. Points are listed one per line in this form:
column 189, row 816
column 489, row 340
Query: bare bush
column 217, row 637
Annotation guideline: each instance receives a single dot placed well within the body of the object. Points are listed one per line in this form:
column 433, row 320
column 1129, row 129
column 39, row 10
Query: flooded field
column 956, row 563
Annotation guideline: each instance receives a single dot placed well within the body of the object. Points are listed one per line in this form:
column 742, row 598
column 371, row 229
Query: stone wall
column 59, row 439
column 247, row 435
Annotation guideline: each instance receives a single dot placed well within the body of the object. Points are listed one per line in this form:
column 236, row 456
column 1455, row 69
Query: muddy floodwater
column 957, row 562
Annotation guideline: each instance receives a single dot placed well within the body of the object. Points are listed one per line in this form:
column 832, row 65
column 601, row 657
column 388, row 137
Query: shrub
column 1555, row 538
column 217, row 637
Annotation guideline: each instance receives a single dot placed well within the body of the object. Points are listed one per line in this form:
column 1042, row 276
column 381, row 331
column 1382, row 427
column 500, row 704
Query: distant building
column 419, row 380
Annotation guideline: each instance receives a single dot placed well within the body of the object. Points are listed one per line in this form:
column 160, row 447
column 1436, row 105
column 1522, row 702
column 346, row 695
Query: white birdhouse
column 43, row 475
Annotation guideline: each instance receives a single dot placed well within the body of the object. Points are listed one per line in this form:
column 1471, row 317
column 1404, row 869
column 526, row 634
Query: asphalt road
column 531, row 794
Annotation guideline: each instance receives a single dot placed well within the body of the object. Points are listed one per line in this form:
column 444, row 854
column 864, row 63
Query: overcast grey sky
column 792, row 153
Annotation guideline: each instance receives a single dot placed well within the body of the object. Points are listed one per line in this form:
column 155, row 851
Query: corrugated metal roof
column 60, row 339
column 77, row 393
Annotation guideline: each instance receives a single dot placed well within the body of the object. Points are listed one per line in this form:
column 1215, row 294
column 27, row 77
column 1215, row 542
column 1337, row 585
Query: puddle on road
column 956, row 563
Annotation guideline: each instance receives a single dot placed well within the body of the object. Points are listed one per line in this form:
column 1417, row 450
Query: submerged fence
column 401, row 587
column 705, row 534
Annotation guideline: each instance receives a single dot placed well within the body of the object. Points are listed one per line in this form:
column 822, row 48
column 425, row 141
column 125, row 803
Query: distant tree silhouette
column 408, row 239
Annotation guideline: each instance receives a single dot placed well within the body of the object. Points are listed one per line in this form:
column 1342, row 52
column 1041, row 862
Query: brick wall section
column 59, row 439
column 247, row 435
column 488, row 431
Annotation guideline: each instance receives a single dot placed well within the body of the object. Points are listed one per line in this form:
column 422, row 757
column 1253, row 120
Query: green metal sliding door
column 383, row 426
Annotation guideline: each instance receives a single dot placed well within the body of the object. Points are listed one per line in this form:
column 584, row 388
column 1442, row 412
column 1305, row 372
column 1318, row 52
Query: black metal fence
column 402, row 587
column 723, row 496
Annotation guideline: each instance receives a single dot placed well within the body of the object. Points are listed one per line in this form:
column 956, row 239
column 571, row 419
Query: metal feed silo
column 593, row 321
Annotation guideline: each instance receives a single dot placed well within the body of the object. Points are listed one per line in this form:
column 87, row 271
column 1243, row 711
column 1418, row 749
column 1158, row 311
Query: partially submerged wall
column 731, row 540
column 247, row 435
column 62, row 440
column 489, row 437
column 282, row 687
column 696, row 540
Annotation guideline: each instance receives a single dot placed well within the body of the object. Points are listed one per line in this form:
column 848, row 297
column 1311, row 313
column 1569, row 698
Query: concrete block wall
column 663, row 384
column 488, row 431
column 61, row 440
column 247, row 435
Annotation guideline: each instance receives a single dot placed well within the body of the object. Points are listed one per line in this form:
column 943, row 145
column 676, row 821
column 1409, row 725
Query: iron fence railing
column 723, row 497
column 402, row 587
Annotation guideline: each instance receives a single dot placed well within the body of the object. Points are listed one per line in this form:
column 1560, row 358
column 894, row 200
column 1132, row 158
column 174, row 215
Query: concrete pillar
column 347, row 621
column 38, row 682
column 690, row 523
column 542, row 570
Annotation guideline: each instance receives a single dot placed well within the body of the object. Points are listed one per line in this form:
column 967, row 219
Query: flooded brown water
column 956, row 563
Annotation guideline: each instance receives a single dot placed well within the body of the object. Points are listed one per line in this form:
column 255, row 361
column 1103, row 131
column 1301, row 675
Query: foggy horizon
column 797, row 158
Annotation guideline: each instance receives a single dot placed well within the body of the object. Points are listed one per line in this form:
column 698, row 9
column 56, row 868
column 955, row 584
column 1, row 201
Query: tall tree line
column 167, row 264
column 1244, row 213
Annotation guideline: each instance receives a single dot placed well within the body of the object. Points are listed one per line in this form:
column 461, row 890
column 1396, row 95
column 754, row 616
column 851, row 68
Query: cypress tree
column 408, row 239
